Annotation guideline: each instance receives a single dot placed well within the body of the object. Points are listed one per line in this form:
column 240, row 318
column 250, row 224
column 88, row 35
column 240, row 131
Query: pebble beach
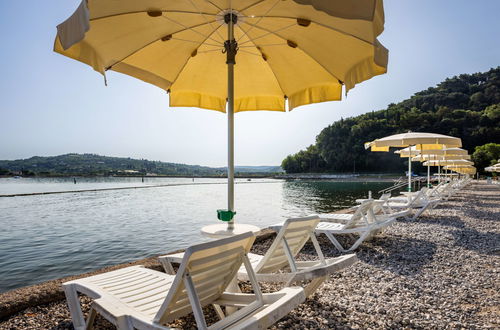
column 441, row 271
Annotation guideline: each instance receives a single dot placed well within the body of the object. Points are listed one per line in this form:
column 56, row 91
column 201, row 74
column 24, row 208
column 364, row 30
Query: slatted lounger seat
column 279, row 264
column 140, row 298
column 363, row 222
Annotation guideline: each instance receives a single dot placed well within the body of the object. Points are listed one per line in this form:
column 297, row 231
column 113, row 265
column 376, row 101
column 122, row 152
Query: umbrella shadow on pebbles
column 401, row 256
column 481, row 242
column 449, row 221
column 484, row 215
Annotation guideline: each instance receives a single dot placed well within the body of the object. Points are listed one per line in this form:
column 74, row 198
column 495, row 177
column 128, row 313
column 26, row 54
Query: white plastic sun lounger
column 140, row 298
column 363, row 222
column 382, row 210
column 279, row 264
column 419, row 203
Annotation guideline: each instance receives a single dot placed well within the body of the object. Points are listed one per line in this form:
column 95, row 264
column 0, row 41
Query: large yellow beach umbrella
column 418, row 140
column 232, row 55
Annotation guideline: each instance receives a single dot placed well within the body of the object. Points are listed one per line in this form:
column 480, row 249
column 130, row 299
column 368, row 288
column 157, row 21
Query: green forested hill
column 466, row 106
column 91, row 164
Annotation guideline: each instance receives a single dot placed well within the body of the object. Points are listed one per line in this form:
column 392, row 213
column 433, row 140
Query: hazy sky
column 52, row 105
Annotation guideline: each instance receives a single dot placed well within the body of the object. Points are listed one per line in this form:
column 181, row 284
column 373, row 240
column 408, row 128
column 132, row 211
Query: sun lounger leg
column 219, row 311
column 314, row 285
column 335, row 242
column 167, row 266
column 91, row 319
column 420, row 211
column 360, row 240
column 74, row 307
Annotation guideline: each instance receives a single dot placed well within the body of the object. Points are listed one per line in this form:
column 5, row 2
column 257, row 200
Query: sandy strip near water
column 440, row 271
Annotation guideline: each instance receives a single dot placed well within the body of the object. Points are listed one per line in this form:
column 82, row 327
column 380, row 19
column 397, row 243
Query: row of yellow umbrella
column 429, row 148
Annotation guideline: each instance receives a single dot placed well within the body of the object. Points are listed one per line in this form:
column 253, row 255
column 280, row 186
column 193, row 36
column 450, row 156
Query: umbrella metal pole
column 409, row 171
column 428, row 176
column 231, row 53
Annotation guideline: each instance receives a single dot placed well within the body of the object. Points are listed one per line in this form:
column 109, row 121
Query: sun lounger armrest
column 167, row 260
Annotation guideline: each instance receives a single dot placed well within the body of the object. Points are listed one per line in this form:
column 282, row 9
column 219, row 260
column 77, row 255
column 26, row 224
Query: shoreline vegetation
column 465, row 106
column 440, row 271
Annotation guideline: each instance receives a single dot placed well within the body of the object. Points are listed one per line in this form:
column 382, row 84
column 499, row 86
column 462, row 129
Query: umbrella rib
column 209, row 51
column 268, row 45
column 265, row 14
column 322, row 25
column 192, row 28
column 277, row 35
column 206, row 20
column 149, row 43
column 213, row 4
column 248, row 52
column 145, row 11
column 250, row 6
column 265, row 34
column 274, row 74
column 193, row 41
column 187, row 60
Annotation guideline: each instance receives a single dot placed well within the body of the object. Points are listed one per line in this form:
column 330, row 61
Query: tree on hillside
column 486, row 155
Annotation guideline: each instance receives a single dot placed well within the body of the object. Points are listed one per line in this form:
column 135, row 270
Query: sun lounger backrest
column 415, row 198
column 209, row 267
column 294, row 233
column 379, row 206
column 362, row 216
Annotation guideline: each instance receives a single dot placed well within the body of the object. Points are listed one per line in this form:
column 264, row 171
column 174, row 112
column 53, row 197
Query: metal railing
column 400, row 183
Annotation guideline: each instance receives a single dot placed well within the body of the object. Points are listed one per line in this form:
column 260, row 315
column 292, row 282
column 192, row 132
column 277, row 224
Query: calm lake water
column 46, row 237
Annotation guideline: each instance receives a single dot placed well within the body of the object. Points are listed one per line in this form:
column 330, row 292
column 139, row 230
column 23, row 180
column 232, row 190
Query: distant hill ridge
column 93, row 164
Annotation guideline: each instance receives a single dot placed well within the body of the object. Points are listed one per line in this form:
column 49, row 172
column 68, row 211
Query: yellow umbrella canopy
column 493, row 168
column 441, row 162
column 462, row 169
column 415, row 139
column 441, row 151
column 302, row 50
column 232, row 55
column 423, row 158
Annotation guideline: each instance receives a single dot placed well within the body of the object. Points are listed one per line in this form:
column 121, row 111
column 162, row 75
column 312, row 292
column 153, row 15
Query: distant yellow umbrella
column 462, row 169
column 446, row 162
column 293, row 53
column 442, row 151
column 433, row 160
column 423, row 158
column 493, row 168
column 418, row 140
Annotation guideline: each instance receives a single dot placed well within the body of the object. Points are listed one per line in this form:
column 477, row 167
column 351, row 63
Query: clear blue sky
column 52, row 105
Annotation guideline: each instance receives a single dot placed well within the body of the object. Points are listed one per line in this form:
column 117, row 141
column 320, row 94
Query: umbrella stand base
column 221, row 231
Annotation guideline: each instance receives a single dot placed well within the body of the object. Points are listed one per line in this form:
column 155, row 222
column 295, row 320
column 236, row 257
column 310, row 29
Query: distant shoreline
column 293, row 176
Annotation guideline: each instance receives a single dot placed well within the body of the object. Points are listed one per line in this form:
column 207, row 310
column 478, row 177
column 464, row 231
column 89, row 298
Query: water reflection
column 327, row 196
